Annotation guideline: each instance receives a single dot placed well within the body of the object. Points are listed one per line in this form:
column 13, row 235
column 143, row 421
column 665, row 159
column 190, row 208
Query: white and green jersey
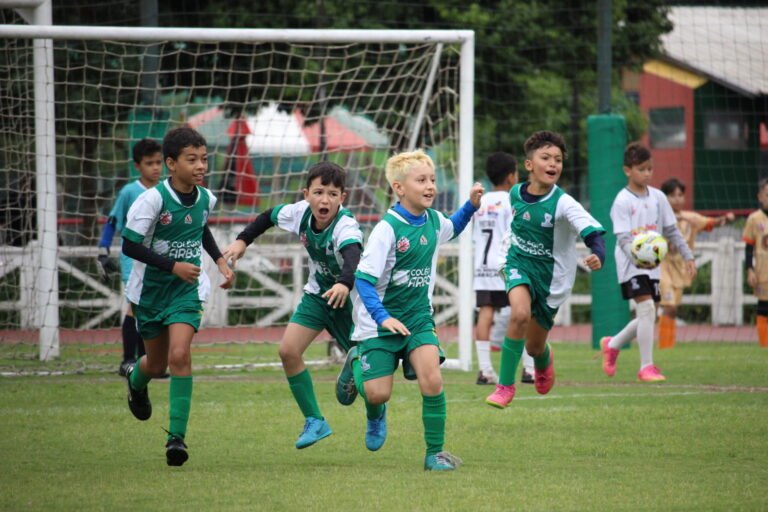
column 543, row 239
column 159, row 221
column 400, row 260
column 324, row 247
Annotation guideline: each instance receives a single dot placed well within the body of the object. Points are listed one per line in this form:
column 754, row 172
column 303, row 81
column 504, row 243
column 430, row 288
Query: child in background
column 540, row 268
column 639, row 207
column 393, row 309
column 148, row 160
column 756, row 237
column 491, row 223
column 674, row 277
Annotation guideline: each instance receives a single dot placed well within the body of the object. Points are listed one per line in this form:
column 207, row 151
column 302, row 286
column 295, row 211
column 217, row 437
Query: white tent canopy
column 275, row 132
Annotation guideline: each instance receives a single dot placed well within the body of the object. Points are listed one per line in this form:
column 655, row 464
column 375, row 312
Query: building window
column 725, row 130
column 667, row 128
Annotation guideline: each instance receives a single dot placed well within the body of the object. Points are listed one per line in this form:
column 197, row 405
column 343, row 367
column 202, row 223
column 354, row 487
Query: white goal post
column 46, row 248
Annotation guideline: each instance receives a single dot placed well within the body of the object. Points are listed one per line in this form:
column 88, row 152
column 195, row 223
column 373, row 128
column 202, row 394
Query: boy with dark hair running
column 148, row 160
column 166, row 232
column 541, row 262
column 333, row 240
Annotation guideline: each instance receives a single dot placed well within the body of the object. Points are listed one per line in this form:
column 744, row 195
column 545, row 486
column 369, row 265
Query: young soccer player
column 639, row 207
column 333, row 240
column 541, row 262
column 393, row 309
column 148, row 160
column 674, row 277
column 166, row 231
column 756, row 237
column 491, row 222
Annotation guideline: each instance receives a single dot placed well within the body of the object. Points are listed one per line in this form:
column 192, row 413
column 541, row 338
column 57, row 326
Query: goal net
column 269, row 103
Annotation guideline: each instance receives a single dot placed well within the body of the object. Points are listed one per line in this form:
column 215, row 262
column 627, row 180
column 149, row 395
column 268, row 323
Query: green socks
column 433, row 412
column 180, row 399
column 541, row 362
column 372, row 412
column 138, row 380
column 304, row 393
column 511, row 352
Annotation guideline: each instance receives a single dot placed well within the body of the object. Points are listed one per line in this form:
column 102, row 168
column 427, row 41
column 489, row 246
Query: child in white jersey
column 639, row 207
column 541, row 262
column 393, row 309
column 491, row 224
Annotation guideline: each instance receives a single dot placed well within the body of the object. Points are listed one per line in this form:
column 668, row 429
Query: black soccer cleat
column 124, row 366
column 176, row 451
column 526, row 378
column 138, row 401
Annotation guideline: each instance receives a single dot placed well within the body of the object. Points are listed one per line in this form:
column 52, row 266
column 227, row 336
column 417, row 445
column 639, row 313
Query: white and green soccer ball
column 648, row 249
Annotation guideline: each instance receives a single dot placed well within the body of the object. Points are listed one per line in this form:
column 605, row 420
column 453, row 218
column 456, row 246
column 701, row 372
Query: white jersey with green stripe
column 159, row 221
column 400, row 260
column 543, row 238
column 324, row 247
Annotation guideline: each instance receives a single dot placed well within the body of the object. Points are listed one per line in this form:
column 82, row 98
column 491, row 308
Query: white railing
column 725, row 256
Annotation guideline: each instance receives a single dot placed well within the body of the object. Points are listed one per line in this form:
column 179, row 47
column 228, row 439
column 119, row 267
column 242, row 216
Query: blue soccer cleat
column 442, row 461
column 346, row 391
column 315, row 429
column 376, row 433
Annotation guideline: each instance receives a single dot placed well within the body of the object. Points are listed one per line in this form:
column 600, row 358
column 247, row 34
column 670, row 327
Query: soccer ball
column 648, row 249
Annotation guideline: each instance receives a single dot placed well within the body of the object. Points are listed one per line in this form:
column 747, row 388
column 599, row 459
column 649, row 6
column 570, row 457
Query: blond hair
column 400, row 164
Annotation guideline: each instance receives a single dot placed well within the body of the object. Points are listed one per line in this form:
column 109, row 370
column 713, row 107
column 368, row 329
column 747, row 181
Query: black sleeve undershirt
column 749, row 254
column 256, row 228
column 351, row 256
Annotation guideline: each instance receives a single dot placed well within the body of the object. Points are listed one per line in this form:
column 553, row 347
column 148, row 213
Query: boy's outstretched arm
column 463, row 215
column 236, row 249
column 212, row 248
column 596, row 244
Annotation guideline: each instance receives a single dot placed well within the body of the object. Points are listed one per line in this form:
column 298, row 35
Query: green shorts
column 314, row 312
column 151, row 322
column 515, row 274
column 379, row 357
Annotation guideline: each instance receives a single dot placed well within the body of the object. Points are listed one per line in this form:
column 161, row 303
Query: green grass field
column 697, row 442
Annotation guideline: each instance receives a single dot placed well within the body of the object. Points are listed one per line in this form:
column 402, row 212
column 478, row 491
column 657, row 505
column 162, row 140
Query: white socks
column 484, row 356
column 646, row 318
column 626, row 335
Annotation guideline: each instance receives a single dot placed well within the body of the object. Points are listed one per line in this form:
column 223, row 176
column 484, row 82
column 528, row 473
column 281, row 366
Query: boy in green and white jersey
column 165, row 233
column 333, row 240
column 541, row 262
column 393, row 309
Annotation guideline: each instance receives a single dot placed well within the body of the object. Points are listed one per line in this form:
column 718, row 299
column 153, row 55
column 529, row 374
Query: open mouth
column 551, row 173
column 323, row 211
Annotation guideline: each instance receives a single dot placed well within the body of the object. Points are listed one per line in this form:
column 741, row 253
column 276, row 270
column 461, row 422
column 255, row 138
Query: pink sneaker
column 502, row 396
column 609, row 356
column 650, row 374
column 543, row 380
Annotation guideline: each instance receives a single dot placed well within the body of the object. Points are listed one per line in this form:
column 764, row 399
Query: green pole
column 606, row 140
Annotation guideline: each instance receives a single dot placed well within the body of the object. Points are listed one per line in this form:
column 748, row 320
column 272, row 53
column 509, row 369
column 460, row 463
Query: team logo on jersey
column 364, row 364
column 165, row 218
column 188, row 219
column 423, row 240
column 303, row 239
column 526, row 216
column 760, row 227
column 403, row 244
column 547, row 221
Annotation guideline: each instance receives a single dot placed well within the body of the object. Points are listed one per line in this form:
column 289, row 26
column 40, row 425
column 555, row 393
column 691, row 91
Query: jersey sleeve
column 749, row 235
column 288, row 216
column 666, row 214
column 445, row 231
column 142, row 215
column 621, row 216
column 346, row 232
column 702, row 222
column 120, row 209
column 579, row 219
column 380, row 244
column 211, row 201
